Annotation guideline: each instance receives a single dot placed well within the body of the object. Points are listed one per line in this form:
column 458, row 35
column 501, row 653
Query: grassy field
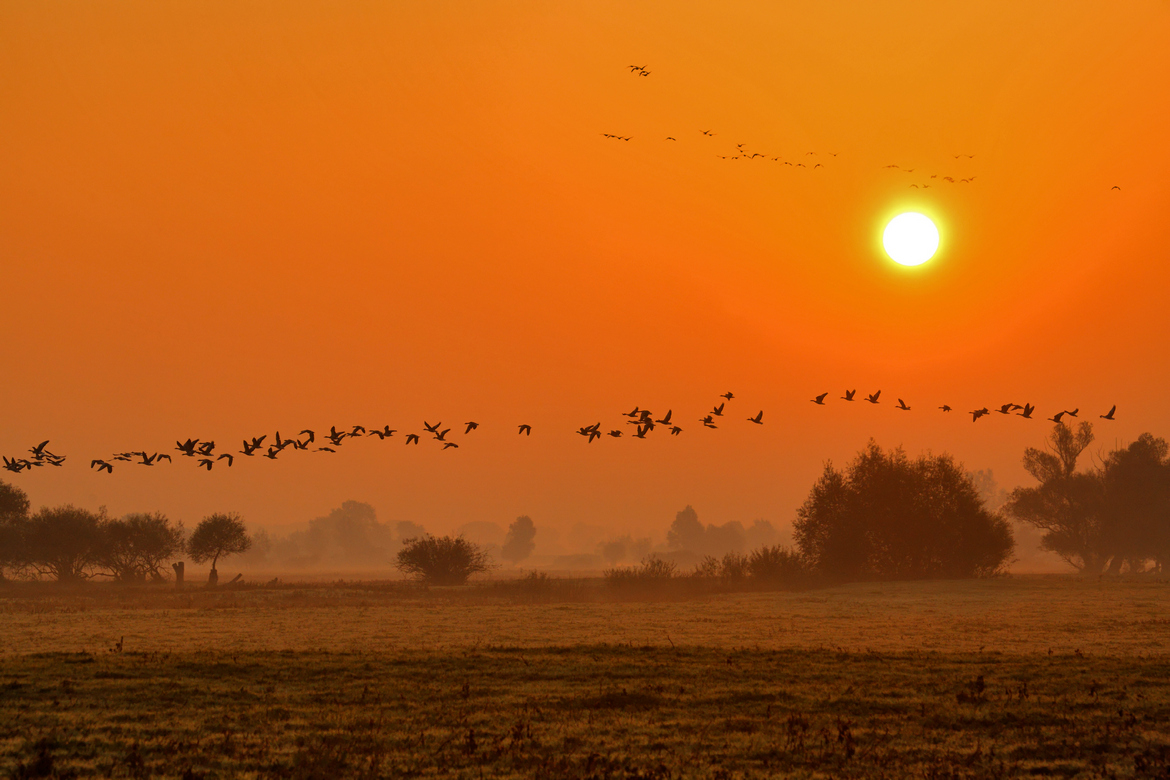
column 1019, row 677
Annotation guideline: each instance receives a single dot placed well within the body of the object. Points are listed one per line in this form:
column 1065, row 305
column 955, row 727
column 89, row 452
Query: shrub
column 442, row 560
column 775, row 564
column 651, row 571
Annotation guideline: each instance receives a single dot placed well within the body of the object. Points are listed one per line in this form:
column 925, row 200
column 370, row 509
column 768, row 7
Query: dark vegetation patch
column 587, row 712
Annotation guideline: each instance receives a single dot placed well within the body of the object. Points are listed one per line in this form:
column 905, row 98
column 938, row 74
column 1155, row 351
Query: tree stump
column 178, row 567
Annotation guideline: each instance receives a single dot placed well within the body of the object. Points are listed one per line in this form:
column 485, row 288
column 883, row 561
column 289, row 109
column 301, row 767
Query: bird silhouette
column 615, row 434
column 634, row 413
column 206, row 448
column 665, row 418
column 1027, row 413
column 526, row 430
column 188, row 447
column 873, row 397
column 441, row 435
column 1109, row 415
column 471, row 426
column 102, row 466
column 39, row 451
column 707, row 132
column 431, row 428
column 1073, row 413
column 671, row 138
column 642, row 431
column 206, row 463
column 758, row 419
column 229, row 457
column 327, row 449
column 382, row 434
column 975, row 415
column 820, row 399
column 412, row 438
column 728, row 395
column 848, row 395
column 1005, row 409
column 945, row 408
column 708, row 421
column 1115, row 187
column 312, row 436
column 1056, row 418
column 449, row 444
column 147, row 460
column 718, row 410
column 675, row 430
column 902, row 405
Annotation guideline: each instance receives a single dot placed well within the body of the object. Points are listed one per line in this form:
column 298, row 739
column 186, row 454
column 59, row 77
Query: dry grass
column 1018, row 677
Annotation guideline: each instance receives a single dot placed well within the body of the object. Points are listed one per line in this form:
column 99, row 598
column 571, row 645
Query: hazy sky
column 219, row 220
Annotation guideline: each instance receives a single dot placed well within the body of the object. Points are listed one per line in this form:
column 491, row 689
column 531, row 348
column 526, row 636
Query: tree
column 887, row 516
column 686, row 532
column 442, row 560
column 1136, row 518
column 1068, row 505
column 64, row 542
column 218, row 535
column 14, row 507
column 520, row 540
column 138, row 546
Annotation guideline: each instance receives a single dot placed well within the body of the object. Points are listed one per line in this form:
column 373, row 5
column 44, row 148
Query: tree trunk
column 213, row 578
column 178, row 567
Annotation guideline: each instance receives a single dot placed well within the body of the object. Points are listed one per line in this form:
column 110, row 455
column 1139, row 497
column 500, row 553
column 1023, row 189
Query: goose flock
column 205, row 455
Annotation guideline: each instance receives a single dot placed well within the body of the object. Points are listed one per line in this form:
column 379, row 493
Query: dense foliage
column 1111, row 516
column 216, row 536
column 889, row 517
column 441, row 560
column 520, row 541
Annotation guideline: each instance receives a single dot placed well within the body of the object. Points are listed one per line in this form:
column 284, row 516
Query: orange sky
column 224, row 219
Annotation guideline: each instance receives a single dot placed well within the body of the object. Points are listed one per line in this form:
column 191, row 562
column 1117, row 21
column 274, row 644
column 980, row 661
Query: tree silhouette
column 520, row 541
column 441, row 560
column 137, row 546
column 1069, row 506
column 887, row 516
column 14, row 507
column 1137, row 504
column 218, row 535
column 686, row 532
column 64, row 542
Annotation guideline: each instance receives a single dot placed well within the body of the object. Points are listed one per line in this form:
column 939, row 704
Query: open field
column 1043, row 676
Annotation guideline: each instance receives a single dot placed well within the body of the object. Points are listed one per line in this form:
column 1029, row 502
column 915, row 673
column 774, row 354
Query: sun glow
column 910, row 238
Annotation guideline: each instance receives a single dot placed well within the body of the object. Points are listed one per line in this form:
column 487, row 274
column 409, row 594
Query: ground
column 1013, row 677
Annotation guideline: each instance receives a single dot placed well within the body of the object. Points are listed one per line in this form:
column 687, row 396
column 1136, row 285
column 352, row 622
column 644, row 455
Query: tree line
column 70, row 544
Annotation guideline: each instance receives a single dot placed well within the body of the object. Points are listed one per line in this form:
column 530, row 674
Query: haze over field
column 218, row 222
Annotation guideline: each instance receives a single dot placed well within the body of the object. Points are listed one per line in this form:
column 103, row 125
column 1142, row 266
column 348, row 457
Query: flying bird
column 431, row 428
column 471, row 426
column 819, row 400
column 324, row 449
column 1073, row 413
column 848, row 395
column 102, row 466
column 206, row 463
column 707, row 132
column 1056, row 418
column 229, row 457
column 615, row 434
column 975, row 415
column 728, row 395
column 441, row 436
column 666, row 418
column 873, row 398
column 382, row 434
column 945, row 408
column 708, row 421
column 902, row 405
column 675, row 430
column 412, row 438
column 758, row 419
column 526, row 430
column 718, row 410
column 1109, row 415
column 188, row 447
column 449, row 444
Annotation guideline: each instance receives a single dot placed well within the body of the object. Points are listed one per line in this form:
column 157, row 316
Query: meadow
column 1009, row 677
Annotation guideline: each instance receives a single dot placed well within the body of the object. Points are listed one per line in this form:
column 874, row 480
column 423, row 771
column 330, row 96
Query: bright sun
column 910, row 238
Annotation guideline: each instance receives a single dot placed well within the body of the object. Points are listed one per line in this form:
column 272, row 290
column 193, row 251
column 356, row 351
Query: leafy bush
column 651, row 571
column 775, row 564
column 441, row 560
column 889, row 517
column 137, row 546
